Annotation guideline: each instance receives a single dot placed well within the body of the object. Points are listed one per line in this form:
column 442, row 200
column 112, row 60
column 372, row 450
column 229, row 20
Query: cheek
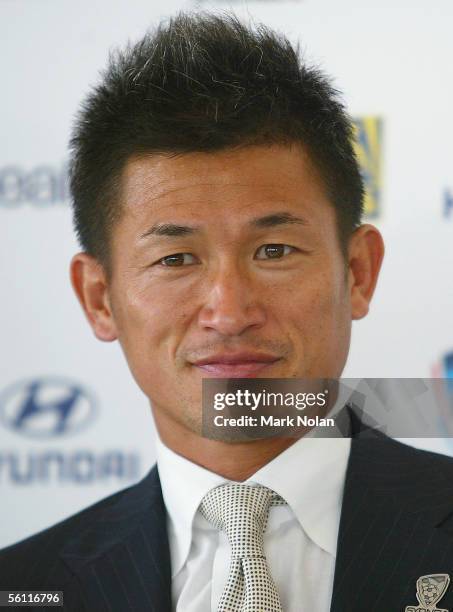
column 148, row 334
column 331, row 323
column 316, row 297
column 318, row 310
column 144, row 320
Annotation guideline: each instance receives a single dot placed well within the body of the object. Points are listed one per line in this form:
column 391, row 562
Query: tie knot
column 240, row 511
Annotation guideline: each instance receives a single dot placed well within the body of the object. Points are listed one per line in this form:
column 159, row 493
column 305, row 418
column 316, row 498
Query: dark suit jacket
column 396, row 525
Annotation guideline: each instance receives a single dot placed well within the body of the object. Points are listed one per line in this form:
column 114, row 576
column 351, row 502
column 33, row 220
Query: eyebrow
column 169, row 229
column 279, row 218
column 272, row 220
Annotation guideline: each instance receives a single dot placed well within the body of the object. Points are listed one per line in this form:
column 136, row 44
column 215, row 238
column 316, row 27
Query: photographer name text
column 272, row 421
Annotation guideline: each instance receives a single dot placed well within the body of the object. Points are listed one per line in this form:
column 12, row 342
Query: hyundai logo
column 46, row 407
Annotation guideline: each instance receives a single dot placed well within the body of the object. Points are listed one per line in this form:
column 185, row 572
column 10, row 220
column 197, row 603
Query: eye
column 273, row 251
column 178, row 259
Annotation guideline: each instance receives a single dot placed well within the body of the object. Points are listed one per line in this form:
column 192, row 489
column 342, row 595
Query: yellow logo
column 368, row 147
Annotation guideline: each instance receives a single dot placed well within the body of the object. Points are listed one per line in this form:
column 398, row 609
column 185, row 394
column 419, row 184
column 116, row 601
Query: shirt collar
column 309, row 476
column 184, row 484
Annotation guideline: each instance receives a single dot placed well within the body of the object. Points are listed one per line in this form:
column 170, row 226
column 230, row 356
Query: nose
column 233, row 302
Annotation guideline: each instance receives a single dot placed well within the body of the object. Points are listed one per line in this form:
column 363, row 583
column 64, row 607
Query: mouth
column 236, row 365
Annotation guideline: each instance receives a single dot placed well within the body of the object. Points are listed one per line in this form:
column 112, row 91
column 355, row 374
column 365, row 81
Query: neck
column 233, row 460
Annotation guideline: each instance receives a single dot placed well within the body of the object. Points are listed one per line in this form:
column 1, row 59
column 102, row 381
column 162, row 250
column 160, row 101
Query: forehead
column 241, row 182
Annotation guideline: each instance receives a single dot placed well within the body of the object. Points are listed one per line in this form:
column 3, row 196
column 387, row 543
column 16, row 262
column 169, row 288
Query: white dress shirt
column 300, row 540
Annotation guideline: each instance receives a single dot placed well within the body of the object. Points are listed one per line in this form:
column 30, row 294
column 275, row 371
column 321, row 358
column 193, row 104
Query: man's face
column 226, row 264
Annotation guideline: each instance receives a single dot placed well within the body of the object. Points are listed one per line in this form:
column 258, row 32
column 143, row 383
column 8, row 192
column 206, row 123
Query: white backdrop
column 392, row 59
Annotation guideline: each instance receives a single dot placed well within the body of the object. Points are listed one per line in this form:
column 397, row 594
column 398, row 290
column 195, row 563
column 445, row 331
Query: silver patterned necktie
column 241, row 511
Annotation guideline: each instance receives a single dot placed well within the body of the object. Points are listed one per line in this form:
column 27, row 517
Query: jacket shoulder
column 34, row 563
column 408, row 452
column 388, row 460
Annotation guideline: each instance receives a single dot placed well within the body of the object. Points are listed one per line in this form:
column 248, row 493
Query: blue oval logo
column 48, row 407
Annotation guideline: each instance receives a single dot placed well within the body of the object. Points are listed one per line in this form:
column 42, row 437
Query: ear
column 366, row 252
column 89, row 281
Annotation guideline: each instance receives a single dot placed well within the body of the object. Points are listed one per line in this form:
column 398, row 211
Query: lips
column 236, row 365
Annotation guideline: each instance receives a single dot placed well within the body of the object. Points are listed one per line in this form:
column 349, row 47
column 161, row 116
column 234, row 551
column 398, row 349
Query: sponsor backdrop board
column 73, row 426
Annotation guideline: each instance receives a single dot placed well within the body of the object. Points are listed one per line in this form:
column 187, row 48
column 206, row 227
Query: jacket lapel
column 394, row 527
column 122, row 559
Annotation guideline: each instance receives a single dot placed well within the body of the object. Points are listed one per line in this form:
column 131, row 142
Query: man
column 218, row 202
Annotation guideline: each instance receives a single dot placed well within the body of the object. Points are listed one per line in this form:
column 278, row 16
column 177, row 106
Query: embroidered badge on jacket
column 430, row 590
